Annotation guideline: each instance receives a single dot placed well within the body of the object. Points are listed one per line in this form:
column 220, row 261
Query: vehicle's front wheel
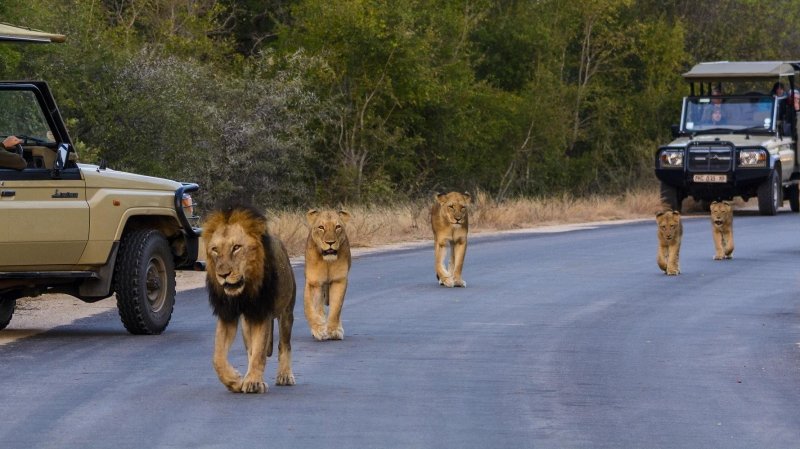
column 144, row 281
column 6, row 311
column 769, row 195
column 671, row 197
column 793, row 195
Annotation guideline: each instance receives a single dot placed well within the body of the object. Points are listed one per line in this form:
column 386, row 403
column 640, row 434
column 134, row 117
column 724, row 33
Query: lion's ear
column 658, row 214
column 467, row 197
column 714, row 202
column 311, row 215
column 344, row 215
column 440, row 197
column 676, row 213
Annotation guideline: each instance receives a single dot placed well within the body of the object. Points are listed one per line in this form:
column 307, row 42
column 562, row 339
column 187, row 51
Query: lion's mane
column 256, row 302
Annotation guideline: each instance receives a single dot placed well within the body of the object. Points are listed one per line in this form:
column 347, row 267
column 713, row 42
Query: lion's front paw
column 729, row 256
column 254, row 386
column 460, row 283
column 284, row 379
column 336, row 333
column 719, row 257
column 673, row 272
column 319, row 334
column 447, row 282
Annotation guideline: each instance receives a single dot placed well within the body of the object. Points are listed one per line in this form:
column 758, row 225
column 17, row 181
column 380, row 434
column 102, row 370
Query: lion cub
column 670, row 231
column 450, row 224
column 722, row 229
column 327, row 267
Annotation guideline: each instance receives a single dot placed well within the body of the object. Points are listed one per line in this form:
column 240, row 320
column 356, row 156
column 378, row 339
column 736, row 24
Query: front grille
column 710, row 158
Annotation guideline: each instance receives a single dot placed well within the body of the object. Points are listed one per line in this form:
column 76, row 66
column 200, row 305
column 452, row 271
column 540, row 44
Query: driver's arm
column 11, row 141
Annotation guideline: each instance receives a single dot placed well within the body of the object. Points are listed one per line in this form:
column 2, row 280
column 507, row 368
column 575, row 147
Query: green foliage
column 301, row 102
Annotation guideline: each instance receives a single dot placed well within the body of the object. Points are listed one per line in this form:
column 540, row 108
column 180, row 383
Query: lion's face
column 721, row 213
column 327, row 231
column 454, row 206
column 669, row 225
column 234, row 252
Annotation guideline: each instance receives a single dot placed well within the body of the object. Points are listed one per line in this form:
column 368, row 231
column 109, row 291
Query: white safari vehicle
column 737, row 137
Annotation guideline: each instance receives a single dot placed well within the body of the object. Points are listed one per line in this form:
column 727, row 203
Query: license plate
column 710, row 178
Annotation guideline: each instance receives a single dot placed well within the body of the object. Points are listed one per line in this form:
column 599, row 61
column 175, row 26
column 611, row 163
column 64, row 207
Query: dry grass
column 374, row 226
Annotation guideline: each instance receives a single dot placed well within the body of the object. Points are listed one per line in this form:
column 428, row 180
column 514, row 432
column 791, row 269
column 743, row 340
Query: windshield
column 751, row 113
column 20, row 115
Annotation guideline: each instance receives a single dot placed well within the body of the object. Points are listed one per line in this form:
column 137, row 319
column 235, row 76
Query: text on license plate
column 710, row 178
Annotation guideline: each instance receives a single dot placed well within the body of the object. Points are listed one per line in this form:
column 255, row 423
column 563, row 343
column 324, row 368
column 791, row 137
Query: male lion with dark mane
column 327, row 265
column 249, row 278
column 450, row 224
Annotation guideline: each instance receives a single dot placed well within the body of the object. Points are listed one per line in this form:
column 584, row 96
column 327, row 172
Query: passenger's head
column 715, row 92
column 778, row 89
column 795, row 95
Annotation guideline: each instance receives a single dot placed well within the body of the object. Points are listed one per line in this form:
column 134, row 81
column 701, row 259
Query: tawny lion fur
column 722, row 229
column 450, row 224
column 249, row 279
column 670, row 231
column 327, row 266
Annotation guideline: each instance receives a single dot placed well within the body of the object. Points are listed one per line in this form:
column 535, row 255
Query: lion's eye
column 338, row 227
column 321, row 228
column 214, row 251
column 236, row 248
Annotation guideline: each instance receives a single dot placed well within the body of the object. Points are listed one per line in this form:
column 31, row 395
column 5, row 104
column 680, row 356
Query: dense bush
column 298, row 102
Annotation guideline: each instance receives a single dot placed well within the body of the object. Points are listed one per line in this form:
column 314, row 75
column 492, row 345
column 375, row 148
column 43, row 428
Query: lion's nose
column 330, row 243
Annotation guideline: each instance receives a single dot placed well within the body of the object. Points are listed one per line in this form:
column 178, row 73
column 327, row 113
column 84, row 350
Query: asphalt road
column 561, row 340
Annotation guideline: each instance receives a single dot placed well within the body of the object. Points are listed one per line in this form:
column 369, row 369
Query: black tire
column 671, row 197
column 6, row 311
column 769, row 195
column 144, row 281
column 793, row 195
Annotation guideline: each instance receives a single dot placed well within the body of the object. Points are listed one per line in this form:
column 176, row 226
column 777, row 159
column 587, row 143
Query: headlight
column 672, row 158
column 752, row 158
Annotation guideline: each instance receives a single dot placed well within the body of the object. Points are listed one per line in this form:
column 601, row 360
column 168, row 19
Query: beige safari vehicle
column 85, row 230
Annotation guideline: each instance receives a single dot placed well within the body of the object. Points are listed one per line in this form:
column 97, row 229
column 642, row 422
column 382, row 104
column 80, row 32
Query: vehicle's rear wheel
column 793, row 195
column 671, row 197
column 144, row 281
column 769, row 195
column 6, row 311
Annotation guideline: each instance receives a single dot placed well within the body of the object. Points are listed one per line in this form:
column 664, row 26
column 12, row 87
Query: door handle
column 7, row 193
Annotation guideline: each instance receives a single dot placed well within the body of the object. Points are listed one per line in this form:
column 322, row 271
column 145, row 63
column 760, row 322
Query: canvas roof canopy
column 10, row 33
column 741, row 70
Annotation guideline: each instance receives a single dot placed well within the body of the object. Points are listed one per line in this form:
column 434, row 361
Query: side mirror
column 676, row 131
column 61, row 157
column 61, row 160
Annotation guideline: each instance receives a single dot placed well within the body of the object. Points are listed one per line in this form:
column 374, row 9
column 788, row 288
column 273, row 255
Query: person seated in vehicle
column 713, row 115
column 9, row 159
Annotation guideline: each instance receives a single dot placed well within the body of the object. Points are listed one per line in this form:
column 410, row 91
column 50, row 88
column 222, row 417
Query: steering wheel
column 20, row 150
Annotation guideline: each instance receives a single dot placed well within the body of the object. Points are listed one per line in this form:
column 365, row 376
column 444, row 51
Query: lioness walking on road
column 326, row 269
column 450, row 224
column 722, row 229
column 670, row 231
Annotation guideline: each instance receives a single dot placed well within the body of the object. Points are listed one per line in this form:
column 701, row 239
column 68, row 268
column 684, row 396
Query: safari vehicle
column 735, row 138
column 85, row 230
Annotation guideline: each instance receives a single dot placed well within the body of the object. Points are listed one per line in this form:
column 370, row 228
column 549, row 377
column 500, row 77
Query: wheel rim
column 156, row 284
